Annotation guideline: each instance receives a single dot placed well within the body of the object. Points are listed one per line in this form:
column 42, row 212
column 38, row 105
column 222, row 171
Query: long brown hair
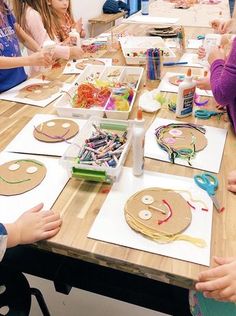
column 3, row 8
column 20, row 6
column 57, row 23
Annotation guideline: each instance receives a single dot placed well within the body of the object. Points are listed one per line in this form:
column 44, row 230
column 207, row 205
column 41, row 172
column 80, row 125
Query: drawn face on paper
column 166, row 212
column 183, row 138
column 40, row 91
column 19, row 176
column 56, row 130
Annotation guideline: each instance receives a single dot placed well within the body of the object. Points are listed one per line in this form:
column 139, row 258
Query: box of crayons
column 135, row 48
column 102, row 91
column 99, row 151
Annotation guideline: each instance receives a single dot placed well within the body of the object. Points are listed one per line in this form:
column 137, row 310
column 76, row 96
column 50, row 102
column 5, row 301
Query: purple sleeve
column 223, row 78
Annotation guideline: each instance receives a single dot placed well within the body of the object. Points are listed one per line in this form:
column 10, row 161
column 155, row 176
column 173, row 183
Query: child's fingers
column 50, row 233
column 36, row 208
column 53, row 225
column 232, row 188
column 212, row 285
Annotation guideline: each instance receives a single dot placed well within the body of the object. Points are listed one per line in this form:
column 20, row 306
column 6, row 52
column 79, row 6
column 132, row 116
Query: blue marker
column 175, row 63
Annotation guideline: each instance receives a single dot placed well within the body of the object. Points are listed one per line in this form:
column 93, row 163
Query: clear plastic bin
column 96, row 173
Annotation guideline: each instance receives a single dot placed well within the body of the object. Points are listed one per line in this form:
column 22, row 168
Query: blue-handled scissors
column 206, row 114
column 209, row 183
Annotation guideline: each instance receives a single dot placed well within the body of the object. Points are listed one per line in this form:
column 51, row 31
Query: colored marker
column 175, row 63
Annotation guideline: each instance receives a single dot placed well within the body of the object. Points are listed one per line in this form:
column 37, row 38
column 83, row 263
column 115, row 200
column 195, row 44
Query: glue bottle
column 145, row 7
column 185, row 97
column 48, row 47
column 75, row 38
column 138, row 144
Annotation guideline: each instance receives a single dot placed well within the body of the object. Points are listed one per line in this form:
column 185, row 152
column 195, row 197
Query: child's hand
column 232, row 181
column 220, row 282
column 222, row 26
column 40, row 59
column 33, row 225
column 76, row 52
column 204, row 84
column 215, row 53
column 79, row 25
column 201, row 52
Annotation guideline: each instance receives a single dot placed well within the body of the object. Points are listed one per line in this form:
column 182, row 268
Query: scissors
column 209, row 183
column 206, row 114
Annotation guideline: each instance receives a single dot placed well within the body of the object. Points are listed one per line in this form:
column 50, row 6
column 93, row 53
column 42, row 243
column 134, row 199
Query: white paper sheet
column 192, row 60
column 168, row 87
column 214, row 149
column 110, row 224
column 25, row 142
column 11, row 95
column 194, row 43
column 71, row 68
column 11, row 207
column 147, row 19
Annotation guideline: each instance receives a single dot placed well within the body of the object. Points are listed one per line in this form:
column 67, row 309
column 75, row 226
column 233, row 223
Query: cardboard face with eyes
column 183, row 137
column 20, row 176
column 155, row 210
column 56, row 130
column 40, row 91
column 176, row 80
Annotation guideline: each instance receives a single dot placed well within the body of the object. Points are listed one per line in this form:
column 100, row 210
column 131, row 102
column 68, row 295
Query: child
column 11, row 62
column 63, row 19
column 31, row 226
column 35, row 18
column 223, row 79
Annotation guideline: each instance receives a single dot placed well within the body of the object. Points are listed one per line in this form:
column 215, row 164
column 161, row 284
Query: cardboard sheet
column 25, row 142
column 110, row 224
column 201, row 161
column 47, row 191
column 13, row 94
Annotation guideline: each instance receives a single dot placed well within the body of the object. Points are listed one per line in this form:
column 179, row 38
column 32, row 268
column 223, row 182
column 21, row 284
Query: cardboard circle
column 40, row 91
column 82, row 64
column 176, row 80
column 177, row 223
column 13, row 182
column 53, row 131
column 185, row 140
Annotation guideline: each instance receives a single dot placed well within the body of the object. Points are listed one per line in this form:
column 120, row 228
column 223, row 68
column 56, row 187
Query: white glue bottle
column 74, row 38
column 185, row 97
column 138, row 144
column 48, row 48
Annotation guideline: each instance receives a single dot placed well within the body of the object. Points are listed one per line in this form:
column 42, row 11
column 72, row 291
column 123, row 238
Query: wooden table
column 197, row 15
column 80, row 201
column 105, row 19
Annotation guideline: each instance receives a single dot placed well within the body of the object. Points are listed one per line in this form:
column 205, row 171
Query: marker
column 175, row 63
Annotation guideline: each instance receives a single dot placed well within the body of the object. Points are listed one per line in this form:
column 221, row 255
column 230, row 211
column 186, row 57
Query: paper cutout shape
column 56, row 130
column 40, row 91
column 163, row 219
column 181, row 140
column 82, row 64
column 20, row 176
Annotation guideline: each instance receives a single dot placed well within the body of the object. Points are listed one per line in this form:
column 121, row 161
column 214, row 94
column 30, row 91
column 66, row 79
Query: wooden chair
column 16, row 293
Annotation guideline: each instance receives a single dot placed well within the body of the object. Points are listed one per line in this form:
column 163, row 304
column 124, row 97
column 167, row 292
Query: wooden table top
column 197, row 15
column 80, row 202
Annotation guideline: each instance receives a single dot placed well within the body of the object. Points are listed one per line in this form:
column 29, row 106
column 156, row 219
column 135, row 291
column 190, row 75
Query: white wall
column 87, row 9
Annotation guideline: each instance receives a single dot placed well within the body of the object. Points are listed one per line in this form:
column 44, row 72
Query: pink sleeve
column 35, row 28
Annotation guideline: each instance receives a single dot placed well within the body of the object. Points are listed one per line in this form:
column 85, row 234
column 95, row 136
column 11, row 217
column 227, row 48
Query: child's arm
column 223, row 75
column 36, row 59
column 25, row 39
column 33, row 225
column 232, row 181
column 220, row 282
column 79, row 28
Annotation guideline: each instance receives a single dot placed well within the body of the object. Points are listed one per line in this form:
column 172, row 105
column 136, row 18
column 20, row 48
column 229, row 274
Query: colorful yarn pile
column 88, row 95
column 120, row 99
column 173, row 153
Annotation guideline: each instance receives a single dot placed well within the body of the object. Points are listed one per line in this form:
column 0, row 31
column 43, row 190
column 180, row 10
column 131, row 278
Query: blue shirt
column 9, row 47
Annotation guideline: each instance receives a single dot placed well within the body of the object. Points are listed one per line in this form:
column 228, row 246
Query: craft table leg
column 92, row 30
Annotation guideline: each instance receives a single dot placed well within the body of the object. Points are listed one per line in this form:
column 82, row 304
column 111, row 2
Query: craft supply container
column 153, row 68
column 114, row 74
column 96, row 173
column 134, row 48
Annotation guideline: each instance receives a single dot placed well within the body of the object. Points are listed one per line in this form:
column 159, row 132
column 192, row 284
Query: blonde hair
column 41, row 7
column 57, row 23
